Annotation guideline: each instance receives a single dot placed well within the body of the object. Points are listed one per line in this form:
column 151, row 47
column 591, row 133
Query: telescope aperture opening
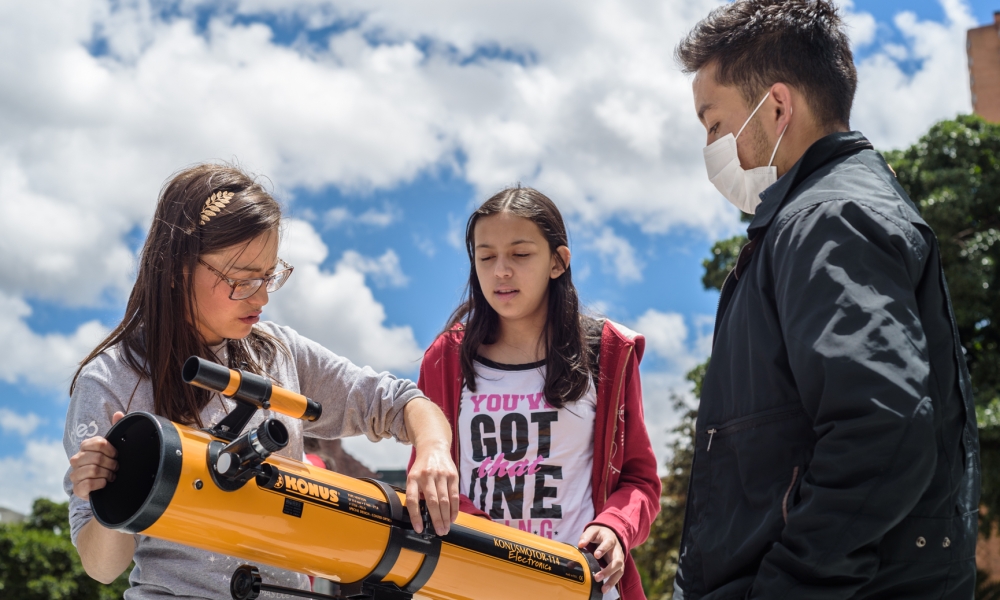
column 149, row 467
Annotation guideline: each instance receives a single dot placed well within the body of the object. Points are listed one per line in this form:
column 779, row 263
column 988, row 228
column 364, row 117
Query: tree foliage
column 38, row 560
column 721, row 261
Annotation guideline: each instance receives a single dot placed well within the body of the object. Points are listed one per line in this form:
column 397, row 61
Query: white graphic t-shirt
column 525, row 463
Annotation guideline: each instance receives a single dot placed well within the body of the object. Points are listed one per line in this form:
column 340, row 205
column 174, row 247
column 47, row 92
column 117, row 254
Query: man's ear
column 781, row 110
column 559, row 266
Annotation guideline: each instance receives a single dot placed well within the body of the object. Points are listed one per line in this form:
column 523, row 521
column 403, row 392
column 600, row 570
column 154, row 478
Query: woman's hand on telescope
column 94, row 465
column 609, row 548
column 433, row 475
column 104, row 553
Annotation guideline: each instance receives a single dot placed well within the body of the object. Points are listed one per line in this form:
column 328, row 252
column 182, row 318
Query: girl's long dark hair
column 571, row 338
column 157, row 334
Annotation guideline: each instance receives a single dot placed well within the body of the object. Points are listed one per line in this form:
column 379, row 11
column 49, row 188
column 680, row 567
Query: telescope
column 227, row 491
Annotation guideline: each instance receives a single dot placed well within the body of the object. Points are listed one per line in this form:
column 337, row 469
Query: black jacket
column 837, row 454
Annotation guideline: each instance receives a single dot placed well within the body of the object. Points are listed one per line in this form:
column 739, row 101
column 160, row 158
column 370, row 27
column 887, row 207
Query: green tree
column 721, row 261
column 953, row 175
column 38, row 560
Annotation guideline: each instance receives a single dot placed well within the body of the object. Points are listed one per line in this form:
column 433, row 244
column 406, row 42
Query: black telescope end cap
column 273, row 435
column 205, row 373
column 314, row 410
column 149, row 467
column 245, row 583
column 594, row 565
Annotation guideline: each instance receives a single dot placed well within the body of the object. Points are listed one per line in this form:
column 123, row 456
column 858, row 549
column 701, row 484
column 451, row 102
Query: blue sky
column 380, row 132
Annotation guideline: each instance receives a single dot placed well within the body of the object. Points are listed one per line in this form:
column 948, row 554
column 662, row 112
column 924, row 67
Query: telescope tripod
column 247, row 584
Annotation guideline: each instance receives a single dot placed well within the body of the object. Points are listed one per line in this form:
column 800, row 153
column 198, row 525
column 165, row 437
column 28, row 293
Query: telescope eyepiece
column 272, row 435
column 247, row 452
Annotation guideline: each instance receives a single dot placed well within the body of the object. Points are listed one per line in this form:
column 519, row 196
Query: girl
column 209, row 262
column 545, row 403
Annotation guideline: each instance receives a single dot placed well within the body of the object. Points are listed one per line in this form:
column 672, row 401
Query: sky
column 380, row 125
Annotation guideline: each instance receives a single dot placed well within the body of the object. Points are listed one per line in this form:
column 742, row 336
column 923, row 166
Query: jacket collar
column 823, row 151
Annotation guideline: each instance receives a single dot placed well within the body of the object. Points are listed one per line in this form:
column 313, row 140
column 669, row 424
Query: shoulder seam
column 907, row 233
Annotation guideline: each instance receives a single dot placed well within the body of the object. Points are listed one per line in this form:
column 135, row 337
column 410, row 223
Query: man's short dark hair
column 757, row 43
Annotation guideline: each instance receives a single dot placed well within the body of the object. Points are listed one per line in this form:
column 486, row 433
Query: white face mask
column 742, row 188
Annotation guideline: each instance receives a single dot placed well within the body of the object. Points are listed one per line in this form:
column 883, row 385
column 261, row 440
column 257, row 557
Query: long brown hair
column 571, row 338
column 157, row 334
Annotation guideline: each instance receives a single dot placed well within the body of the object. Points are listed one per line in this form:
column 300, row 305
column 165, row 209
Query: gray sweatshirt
column 355, row 401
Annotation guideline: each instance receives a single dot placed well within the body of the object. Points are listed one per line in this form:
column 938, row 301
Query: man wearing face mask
column 836, row 449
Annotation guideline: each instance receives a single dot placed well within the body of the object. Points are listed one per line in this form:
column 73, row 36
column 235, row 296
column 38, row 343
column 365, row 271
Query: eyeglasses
column 244, row 288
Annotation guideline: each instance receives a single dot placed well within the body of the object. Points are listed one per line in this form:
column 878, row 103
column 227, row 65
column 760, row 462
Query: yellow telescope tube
column 313, row 521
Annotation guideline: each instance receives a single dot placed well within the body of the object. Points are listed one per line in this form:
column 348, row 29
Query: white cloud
column 894, row 108
column 599, row 118
column 336, row 308
column 455, row 236
column 659, row 390
column 425, row 245
column 384, row 270
column 37, row 472
column 340, row 216
column 56, row 245
column 89, row 140
column 618, row 257
column 861, row 26
column 23, row 425
column 636, row 121
column 595, row 114
column 47, row 361
column 668, row 336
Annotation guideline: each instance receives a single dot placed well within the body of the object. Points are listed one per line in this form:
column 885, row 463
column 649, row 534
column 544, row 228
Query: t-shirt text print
column 524, row 462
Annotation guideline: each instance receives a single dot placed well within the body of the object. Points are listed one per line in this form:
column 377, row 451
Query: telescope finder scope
column 250, row 388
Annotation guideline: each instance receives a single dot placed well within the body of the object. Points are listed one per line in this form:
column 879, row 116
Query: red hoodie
column 626, row 489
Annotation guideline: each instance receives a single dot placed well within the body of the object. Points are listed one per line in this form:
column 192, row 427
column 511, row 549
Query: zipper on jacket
column 750, row 422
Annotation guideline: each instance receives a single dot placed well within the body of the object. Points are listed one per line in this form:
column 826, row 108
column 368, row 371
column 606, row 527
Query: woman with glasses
column 206, row 269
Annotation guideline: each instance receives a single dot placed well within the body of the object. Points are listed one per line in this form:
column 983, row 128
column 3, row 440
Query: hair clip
column 214, row 204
